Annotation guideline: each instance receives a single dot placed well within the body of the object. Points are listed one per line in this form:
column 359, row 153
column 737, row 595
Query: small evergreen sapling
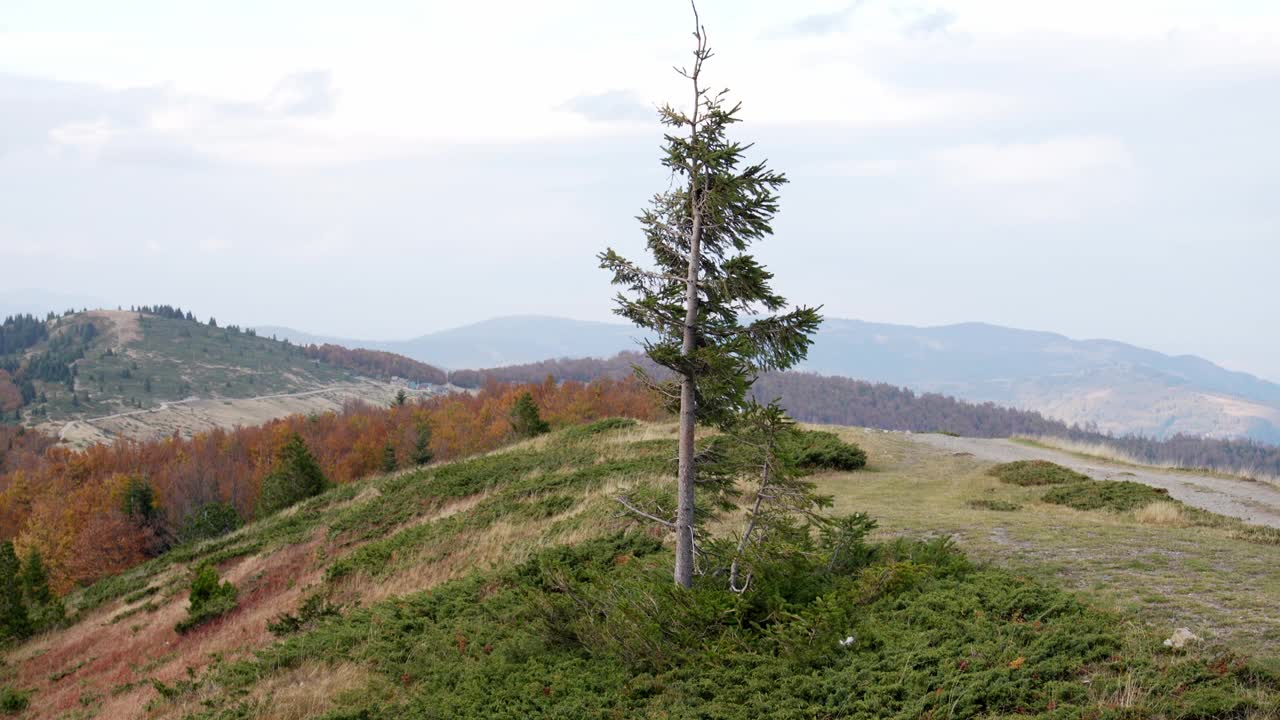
column 526, row 420
column 295, row 477
column 422, row 444
column 209, row 598
column 44, row 608
column 389, row 463
column 14, row 621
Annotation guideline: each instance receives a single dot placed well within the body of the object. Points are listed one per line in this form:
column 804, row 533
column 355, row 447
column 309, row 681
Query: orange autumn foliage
column 68, row 504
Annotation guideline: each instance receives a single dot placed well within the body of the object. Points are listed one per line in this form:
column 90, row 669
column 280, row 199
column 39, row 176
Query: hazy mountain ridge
column 509, row 340
column 1118, row 387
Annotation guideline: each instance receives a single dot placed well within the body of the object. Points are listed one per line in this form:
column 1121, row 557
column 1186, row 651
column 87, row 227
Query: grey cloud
column 36, row 112
column 611, row 106
column 30, row 108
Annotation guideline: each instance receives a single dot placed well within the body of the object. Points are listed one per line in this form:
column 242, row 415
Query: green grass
column 1035, row 472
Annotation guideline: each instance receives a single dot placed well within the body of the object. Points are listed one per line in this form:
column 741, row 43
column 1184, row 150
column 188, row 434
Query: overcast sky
column 1100, row 168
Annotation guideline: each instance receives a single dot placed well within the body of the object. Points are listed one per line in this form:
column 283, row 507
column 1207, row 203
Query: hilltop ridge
column 93, row 375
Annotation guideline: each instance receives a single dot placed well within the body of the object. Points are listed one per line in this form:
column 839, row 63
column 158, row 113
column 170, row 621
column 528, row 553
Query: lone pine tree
column 716, row 322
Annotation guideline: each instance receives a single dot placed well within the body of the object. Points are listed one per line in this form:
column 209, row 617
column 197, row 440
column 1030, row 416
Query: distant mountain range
column 501, row 341
column 1117, row 387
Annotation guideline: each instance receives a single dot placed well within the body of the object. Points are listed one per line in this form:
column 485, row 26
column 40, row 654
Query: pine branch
column 623, row 501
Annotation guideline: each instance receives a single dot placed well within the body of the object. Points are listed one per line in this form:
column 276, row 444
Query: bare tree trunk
column 688, row 418
column 688, row 412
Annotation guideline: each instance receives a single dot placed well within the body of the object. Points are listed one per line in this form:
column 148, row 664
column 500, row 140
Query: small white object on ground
column 847, row 641
column 1180, row 638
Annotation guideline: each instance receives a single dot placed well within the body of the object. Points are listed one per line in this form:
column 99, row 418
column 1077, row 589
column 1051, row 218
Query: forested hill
column 810, row 397
column 96, row 363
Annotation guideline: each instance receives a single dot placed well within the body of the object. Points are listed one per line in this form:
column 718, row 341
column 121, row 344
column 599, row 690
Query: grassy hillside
column 509, row 585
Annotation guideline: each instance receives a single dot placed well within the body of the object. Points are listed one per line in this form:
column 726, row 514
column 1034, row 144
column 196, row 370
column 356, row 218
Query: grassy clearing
column 1215, row 575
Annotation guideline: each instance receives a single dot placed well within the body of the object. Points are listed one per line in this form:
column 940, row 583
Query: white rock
column 1180, row 638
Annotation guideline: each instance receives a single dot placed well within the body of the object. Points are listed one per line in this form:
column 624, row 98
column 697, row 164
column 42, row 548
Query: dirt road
column 1253, row 502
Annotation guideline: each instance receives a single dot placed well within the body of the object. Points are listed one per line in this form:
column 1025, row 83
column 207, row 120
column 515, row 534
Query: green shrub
column 210, row 520
column 1035, row 472
column 314, row 609
column 993, row 504
column 13, row 701
column 818, row 450
column 1117, row 495
column 208, row 599
column 598, row 630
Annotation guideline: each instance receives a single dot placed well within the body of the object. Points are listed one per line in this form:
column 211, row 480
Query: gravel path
column 1253, row 502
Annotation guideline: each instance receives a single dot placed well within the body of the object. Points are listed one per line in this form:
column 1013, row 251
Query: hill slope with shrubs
column 513, row 584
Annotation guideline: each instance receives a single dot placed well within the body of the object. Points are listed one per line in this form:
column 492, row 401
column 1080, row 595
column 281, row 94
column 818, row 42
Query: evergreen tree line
column 171, row 312
column 19, row 332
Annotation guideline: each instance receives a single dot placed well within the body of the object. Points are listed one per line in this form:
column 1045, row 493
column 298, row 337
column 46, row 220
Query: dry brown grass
column 116, row 659
column 307, row 691
column 502, row 543
column 1161, row 513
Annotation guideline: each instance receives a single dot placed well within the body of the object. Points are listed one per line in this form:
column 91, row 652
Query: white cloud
column 1050, row 161
column 83, row 136
column 213, row 245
